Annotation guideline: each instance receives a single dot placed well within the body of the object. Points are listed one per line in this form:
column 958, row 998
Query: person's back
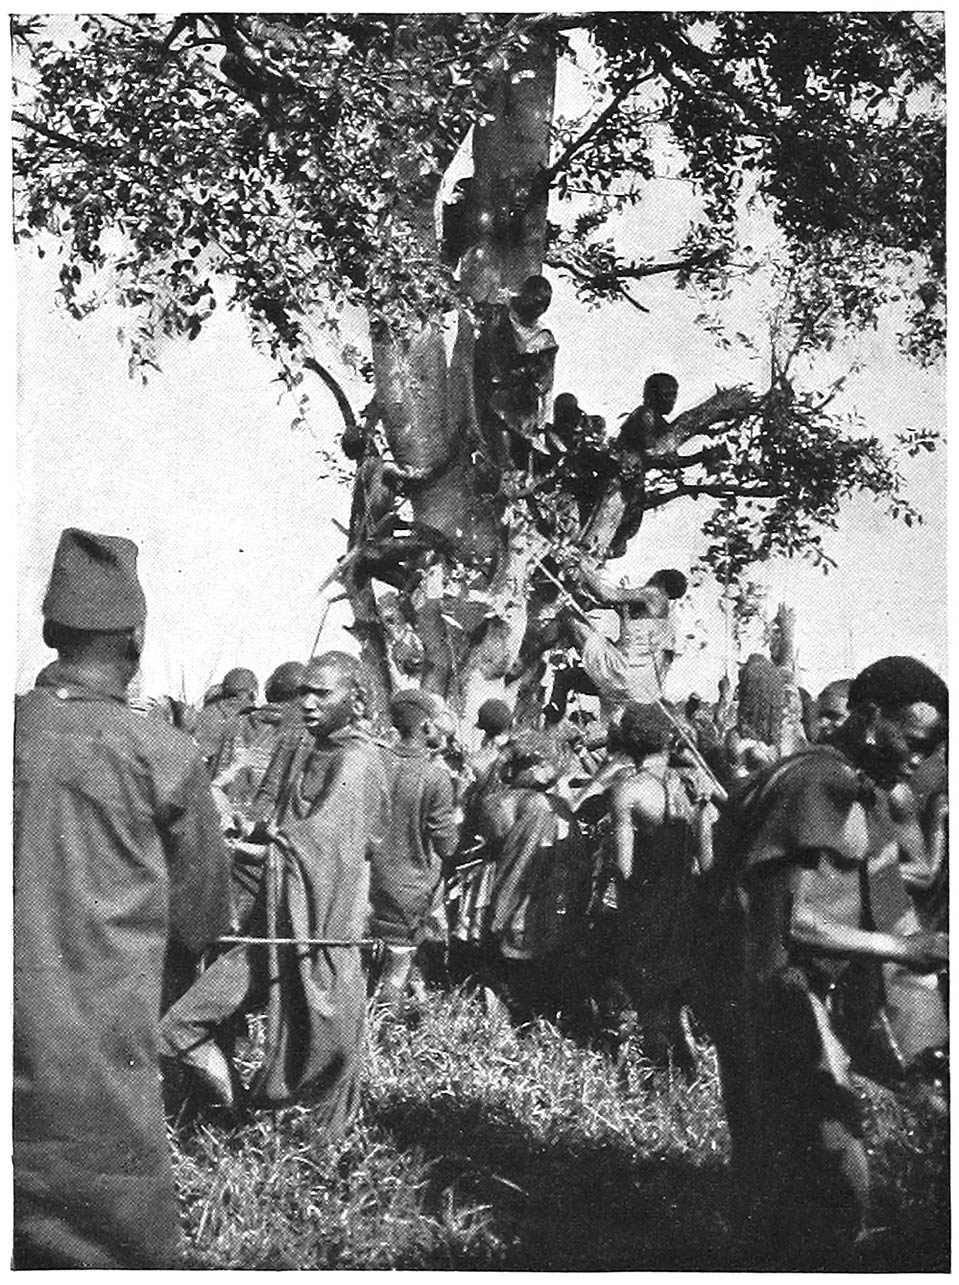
column 656, row 902
column 117, row 857
column 406, row 871
column 531, row 835
column 409, row 864
column 653, row 845
column 523, row 911
column 803, row 941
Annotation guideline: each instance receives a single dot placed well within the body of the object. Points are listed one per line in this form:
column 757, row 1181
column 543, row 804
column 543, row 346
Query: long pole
column 326, row 611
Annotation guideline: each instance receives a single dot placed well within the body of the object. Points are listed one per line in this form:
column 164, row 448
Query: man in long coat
column 117, row 857
column 327, row 796
column 541, row 881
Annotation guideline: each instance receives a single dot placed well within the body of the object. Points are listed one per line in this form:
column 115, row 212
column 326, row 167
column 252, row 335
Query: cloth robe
column 407, row 870
column 331, row 811
column 541, row 880
column 809, row 826
column 117, row 856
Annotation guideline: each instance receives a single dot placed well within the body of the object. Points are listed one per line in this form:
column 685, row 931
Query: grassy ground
column 481, row 1146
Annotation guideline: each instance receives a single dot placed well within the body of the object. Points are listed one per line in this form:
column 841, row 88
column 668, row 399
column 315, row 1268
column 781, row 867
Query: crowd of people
column 768, row 870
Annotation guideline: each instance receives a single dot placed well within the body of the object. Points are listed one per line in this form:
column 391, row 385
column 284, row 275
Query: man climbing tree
column 304, row 159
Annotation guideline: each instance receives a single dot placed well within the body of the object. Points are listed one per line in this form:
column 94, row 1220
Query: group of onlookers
column 773, row 864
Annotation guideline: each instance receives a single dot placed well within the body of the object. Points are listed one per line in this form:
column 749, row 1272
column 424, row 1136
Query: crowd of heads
column 891, row 716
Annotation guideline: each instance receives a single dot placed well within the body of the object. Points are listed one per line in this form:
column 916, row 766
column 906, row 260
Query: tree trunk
column 468, row 568
column 508, row 200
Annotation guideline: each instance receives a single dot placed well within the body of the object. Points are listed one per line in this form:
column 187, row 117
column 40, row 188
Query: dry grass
column 481, row 1146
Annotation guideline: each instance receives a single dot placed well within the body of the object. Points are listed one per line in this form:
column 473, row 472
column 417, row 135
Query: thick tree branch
column 677, row 462
column 588, row 278
column 636, row 271
column 682, row 52
column 253, row 66
column 342, row 401
column 613, row 277
column 724, row 405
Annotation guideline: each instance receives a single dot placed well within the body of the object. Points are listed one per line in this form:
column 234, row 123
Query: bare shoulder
column 640, row 795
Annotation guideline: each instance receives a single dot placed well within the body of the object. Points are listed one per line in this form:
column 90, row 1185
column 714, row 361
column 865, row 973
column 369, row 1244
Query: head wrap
column 94, row 584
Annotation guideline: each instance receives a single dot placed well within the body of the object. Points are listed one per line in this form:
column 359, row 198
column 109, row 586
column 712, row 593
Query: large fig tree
column 415, row 166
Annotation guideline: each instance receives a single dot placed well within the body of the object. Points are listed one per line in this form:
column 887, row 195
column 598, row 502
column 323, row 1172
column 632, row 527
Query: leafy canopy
column 294, row 155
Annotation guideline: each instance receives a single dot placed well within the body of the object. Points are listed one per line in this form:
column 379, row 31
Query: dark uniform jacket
column 117, row 854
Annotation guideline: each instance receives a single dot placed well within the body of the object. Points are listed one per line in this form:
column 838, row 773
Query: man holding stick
column 301, row 958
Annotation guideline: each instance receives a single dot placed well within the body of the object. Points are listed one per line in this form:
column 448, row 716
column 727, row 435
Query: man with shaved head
column 325, row 793
column 810, row 918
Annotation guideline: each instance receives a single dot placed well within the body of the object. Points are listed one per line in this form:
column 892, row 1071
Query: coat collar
column 76, row 682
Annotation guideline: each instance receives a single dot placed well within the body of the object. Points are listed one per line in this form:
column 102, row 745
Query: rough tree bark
column 426, row 403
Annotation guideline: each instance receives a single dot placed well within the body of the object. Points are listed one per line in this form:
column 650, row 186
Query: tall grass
column 483, row 1146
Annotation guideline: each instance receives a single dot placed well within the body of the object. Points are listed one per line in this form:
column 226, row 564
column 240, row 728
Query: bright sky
column 234, row 520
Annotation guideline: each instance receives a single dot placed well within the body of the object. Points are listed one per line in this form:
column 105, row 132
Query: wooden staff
column 294, row 941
